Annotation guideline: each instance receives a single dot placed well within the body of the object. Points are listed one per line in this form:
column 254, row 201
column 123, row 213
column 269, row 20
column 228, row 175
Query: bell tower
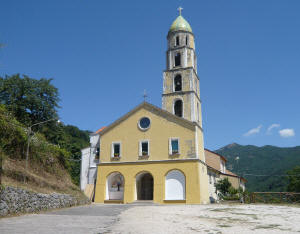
column 181, row 95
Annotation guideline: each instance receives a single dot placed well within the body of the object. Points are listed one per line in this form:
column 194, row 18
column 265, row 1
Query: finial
column 145, row 95
column 180, row 9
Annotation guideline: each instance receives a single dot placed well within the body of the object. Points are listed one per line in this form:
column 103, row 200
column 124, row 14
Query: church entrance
column 144, row 186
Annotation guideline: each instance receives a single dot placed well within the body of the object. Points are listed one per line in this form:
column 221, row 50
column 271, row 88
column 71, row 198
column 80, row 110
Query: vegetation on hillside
column 25, row 102
column 43, row 155
column 268, row 165
column 294, row 180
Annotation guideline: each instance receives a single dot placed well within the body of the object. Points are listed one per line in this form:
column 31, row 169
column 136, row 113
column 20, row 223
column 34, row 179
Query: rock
column 16, row 200
column 3, row 208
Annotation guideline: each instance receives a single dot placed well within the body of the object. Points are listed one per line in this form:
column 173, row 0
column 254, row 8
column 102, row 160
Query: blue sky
column 103, row 54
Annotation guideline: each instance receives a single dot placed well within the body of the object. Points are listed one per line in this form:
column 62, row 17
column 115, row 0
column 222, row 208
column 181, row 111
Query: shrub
column 223, row 186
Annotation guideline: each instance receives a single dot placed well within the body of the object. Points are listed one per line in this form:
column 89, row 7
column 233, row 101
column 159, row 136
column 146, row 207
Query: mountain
column 266, row 160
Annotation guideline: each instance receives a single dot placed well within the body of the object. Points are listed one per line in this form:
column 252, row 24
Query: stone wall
column 17, row 200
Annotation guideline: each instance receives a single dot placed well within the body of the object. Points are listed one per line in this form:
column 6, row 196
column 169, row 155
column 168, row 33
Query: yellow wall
column 196, row 180
column 233, row 180
column 161, row 129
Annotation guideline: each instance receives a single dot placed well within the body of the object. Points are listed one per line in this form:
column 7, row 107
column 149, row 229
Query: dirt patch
column 225, row 219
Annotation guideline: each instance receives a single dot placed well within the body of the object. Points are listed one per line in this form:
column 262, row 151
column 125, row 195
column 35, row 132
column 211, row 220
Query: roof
column 99, row 130
column 230, row 173
column 180, row 24
column 221, row 156
column 156, row 110
column 212, row 161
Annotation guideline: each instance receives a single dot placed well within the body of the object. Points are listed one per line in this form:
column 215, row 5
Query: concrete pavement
column 82, row 219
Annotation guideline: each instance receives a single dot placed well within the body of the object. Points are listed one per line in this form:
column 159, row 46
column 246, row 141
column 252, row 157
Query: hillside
column 265, row 160
column 51, row 167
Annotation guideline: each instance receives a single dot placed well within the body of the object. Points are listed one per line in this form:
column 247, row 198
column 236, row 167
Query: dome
column 180, row 24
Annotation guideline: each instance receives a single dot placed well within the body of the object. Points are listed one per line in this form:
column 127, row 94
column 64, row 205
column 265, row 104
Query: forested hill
column 29, row 121
column 265, row 160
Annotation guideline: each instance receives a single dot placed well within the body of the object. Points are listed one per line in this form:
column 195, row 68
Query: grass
column 37, row 179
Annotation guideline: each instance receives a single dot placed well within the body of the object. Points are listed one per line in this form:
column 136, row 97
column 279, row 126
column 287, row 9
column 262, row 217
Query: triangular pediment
column 154, row 110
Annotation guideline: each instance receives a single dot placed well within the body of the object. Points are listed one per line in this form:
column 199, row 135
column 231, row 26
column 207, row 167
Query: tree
column 223, row 186
column 12, row 137
column 294, row 180
column 30, row 100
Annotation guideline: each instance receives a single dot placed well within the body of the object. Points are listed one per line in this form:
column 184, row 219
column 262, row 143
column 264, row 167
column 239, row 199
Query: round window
column 144, row 123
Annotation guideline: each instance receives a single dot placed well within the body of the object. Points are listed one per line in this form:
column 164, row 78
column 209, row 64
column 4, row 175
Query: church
column 153, row 153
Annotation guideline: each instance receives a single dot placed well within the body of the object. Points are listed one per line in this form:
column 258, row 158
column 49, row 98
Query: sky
column 103, row 54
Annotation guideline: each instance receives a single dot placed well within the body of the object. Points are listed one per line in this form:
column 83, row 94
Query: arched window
column 175, row 185
column 177, row 41
column 115, row 186
column 178, row 83
column 178, row 108
column 187, row 40
column 177, row 59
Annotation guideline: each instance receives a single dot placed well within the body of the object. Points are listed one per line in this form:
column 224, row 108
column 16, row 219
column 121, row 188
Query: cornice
column 181, row 93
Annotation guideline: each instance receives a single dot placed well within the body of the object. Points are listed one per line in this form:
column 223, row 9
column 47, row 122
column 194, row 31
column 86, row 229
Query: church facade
column 158, row 154
column 154, row 153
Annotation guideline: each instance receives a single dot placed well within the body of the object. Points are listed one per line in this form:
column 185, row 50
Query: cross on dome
column 180, row 9
column 145, row 95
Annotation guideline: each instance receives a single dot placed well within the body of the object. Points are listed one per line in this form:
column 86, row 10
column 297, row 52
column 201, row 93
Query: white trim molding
column 170, row 145
column 140, row 147
column 112, row 149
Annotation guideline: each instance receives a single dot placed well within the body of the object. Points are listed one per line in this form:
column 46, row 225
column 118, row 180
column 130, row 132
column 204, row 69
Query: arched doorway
column 115, row 186
column 175, row 185
column 144, row 186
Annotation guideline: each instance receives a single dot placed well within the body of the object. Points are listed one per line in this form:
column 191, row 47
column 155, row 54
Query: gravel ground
column 217, row 218
column 145, row 218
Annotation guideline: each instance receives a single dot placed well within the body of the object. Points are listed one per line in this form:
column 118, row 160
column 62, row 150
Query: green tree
column 223, row 186
column 30, row 100
column 12, row 137
column 294, row 180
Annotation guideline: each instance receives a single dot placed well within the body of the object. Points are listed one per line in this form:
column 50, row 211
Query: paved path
column 148, row 218
column 82, row 219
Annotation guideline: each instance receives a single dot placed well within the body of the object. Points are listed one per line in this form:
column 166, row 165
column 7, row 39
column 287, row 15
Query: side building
column 216, row 169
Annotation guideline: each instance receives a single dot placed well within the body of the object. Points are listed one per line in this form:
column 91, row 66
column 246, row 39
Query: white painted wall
column 223, row 167
column 84, row 169
column 88, row 170
column 175, row 186
column 92, row 175
column 94, row 140
column 213, row 177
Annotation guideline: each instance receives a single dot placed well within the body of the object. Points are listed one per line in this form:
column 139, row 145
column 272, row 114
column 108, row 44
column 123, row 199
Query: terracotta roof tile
column 212, row 160
column 100, row 129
